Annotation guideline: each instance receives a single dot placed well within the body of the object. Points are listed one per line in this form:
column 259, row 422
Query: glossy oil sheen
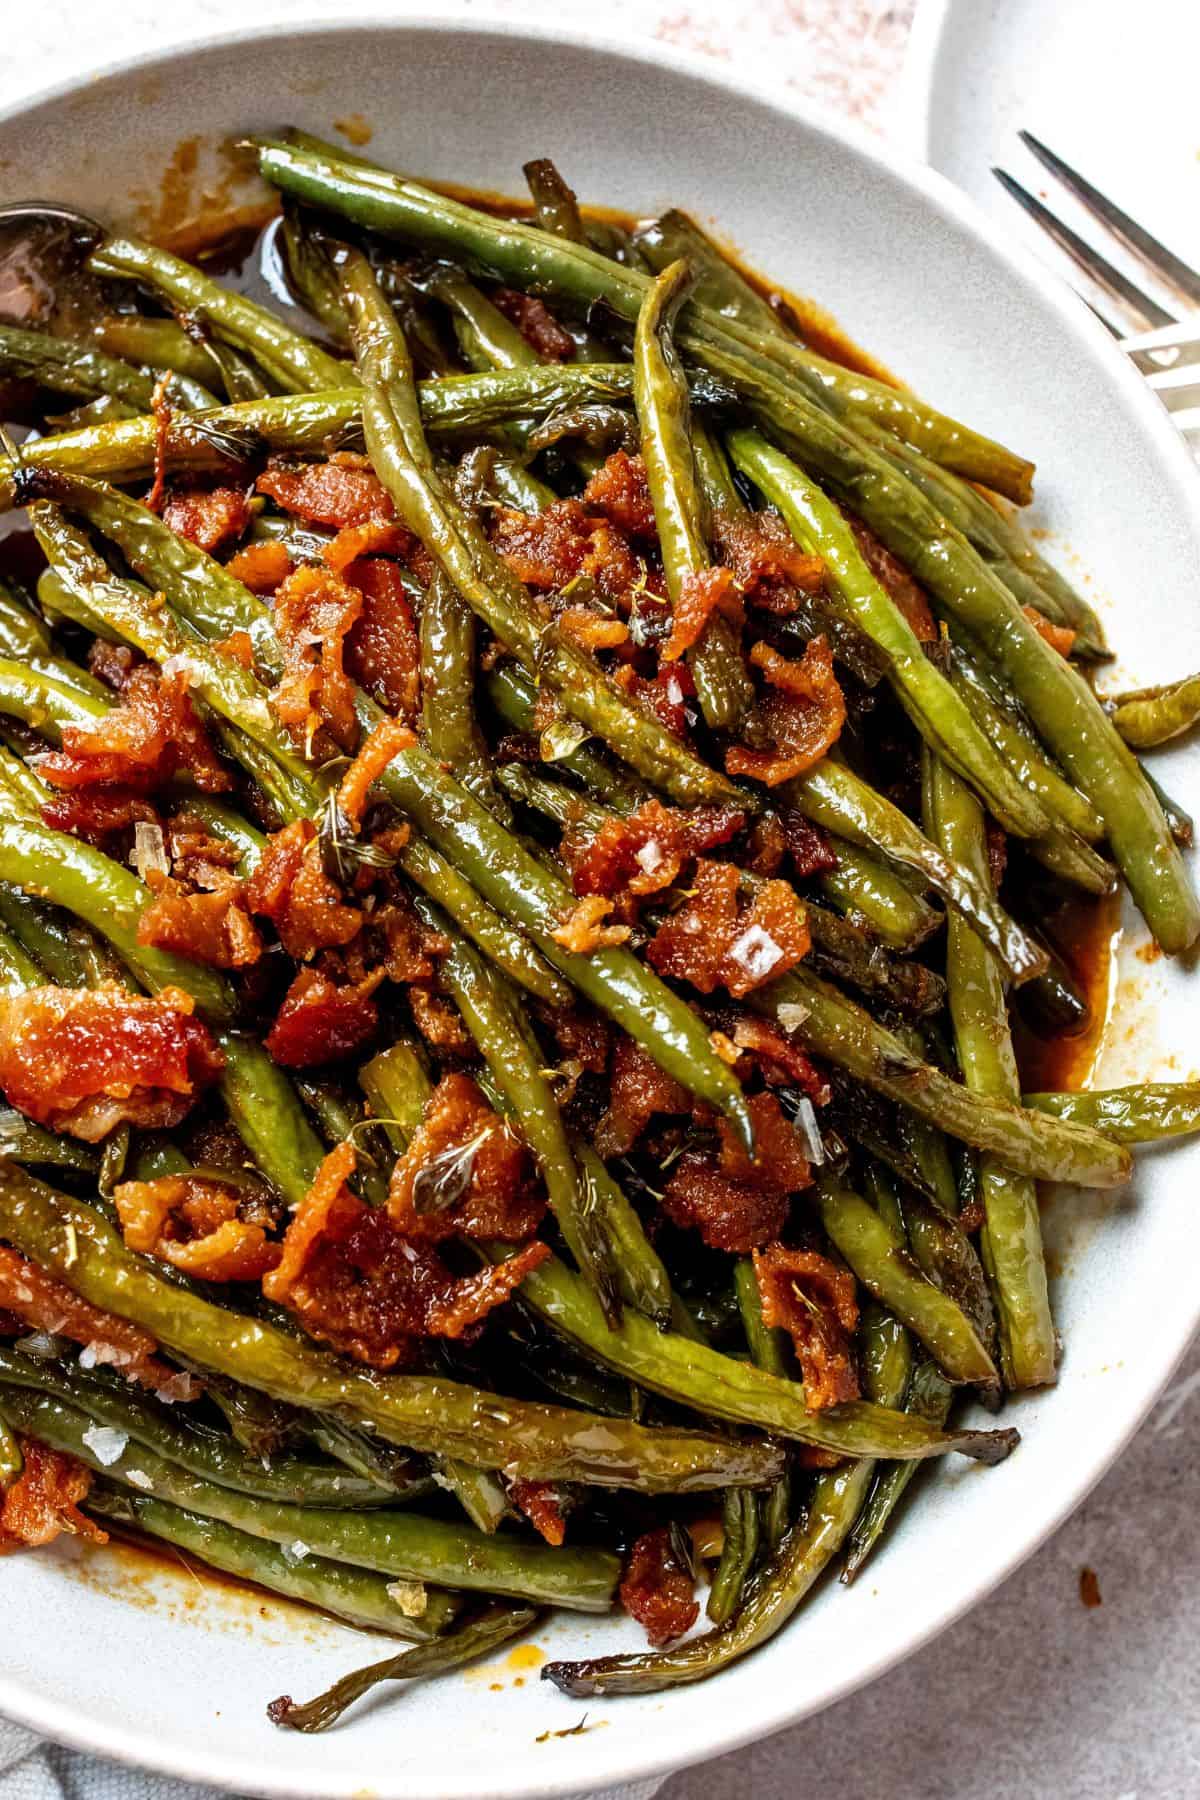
column 942, row 300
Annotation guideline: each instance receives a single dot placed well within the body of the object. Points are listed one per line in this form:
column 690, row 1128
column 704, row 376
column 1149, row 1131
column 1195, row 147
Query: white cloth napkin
column 31, row 1769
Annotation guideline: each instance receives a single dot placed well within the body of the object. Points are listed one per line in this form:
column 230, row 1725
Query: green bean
column 1024, row 755
column 768, row 1350
column 69, row 367
column 156, row 344
column 660, row 394
column 739, row 1520
column 486, row 338
column 1155, row 715
column 1142, row 1114
column 292, row 362
column 477, row 1636
column 494, row 1017
column 341, row 1120
column 555, row 206
column 399, row 1544
column 719, row 285
column 1011, row 1241
column 877, row 1253
column 840, row 1032
column 691, row 1374
column 395, row 1476
column 524, row 256
column 875, row 899
column 357, row 1595
column 929, row 1398
column 397, row 447
column 514, row 696
column 641, row 1278
column 448, row 723
column 832, row 796
column 311, row 275
column 17, row 967
column 44, row 936
column 846, row 951
column 419, row 1412
column 938, row 712
column 30, row 694
column 124, row 450
column 212, row 1456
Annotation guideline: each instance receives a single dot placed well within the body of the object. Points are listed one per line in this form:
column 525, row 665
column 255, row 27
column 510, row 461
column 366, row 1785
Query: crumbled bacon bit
column 238, row 647
column 765, row 558
column 779, row 1160
column 592, row 630
column 410, row 946
column 387, row 740
column 997, row 851
column 160, row 408
column 195, row 855
column 369, row 538
column 657, row 1590
column 193, row 1223
column 895, row 581
column 212, row 928
column 383, row 650
column 583, row 1036
column 799, row 717
column 261, row 567
column 544, row 1505
column 337, row 492
column 766, row 844
column 464, row 1172
column 583, row 930
column 811, row 851
column 716, row 939
column 780, row 1061
column 43, row 1303
column 814, row 1301
column 619, row 490
column 208, row 519
column 112, row 663
column 639, row 1089
column 354, row 1282
column 1059, row 637
column 736, row 1204
column 536, row 324
column 84, row 1061
column 320, row 1022
column 314, row 610
column 701, row 593
column 290, row 888
column 96, row 813
column 646, row 850
column 545, row 550
column 150, row 736
column 44, row 1500
column 666, row 696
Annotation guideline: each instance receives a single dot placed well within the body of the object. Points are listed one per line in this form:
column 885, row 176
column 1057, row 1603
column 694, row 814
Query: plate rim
column 750, row 84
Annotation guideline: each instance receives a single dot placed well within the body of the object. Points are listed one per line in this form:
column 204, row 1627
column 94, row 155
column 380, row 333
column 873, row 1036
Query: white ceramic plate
column 174, row 1674
column 1112, row 89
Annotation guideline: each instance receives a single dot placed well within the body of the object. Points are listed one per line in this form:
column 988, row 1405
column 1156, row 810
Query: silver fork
column 1162, row 340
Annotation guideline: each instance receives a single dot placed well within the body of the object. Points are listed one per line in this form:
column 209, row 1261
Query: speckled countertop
column 1034, row 1696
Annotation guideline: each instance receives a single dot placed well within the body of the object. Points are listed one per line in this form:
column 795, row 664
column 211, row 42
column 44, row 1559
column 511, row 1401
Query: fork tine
column 1170, row 269
column 1180, row 335
column 1141, row 312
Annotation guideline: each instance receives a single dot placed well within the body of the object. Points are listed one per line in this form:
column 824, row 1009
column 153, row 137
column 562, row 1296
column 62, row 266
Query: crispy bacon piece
column 193, row 1223
column 320, row 1022
column 657, row 1590
column 113, row 663
column 592, row 630
column 383, row 650
column 95, row 813
column 44, row 1303
column 997, row 851
column 208, row 519
column 895, row 580
column 536, row 324
column 735, row 1204
column 772, row 1052
column 369, row 538
column 767, row 562
column 290, row 888
column 43, row 1501
column 1059, row 637
column 645, row 850
column 410, row 946
column 84, row 1061
column 545, row 550
column 438, row 1021
column 701, row 593
column 583, row 1037
column 639, row 1090
column 666, row 696
column 544, row 1505
column 343, row 490
column 766, row 844
column 212, row 928
column 152, row 735
column 354, row 1282
column 811, row 851
column 314, row 610
column 583, row 930
column 261, row 567
column 464, row 1173
column 387, row 740
column 800, row 716
column 814, row 1301
column 717, row 939
column 195, row 855
column 620, row 492
column 161, row 410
